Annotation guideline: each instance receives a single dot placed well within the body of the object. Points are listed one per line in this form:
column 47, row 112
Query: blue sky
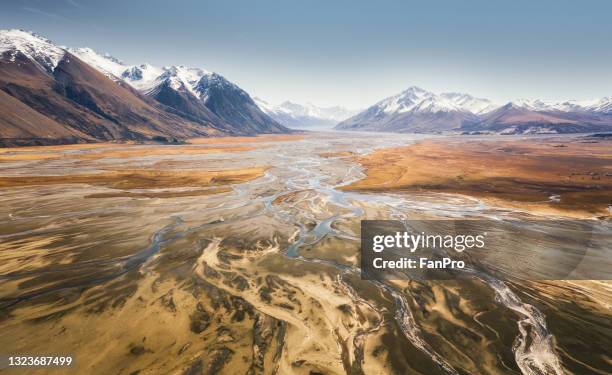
column 350, row 53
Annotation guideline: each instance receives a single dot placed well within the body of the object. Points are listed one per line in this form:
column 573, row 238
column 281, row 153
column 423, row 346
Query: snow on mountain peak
column 106, row 64
column 415, row 90
column 191, row 75
column 304, row 115
column 198, row 81
column 113, row 58
column 419, row 100
column 602, row 105
column 435, row 103
column 470, row 103
column 415, row 99
column 179, row 77
column 38, row 49
column 143, row 77
column 265, row 106
column 534, row 105
column 405, row 101
column 209, row 80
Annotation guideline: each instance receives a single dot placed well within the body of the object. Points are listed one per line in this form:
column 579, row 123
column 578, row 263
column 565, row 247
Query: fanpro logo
column 413, row 242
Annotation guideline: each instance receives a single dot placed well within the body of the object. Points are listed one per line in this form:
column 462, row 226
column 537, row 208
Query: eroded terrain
column 241, row 257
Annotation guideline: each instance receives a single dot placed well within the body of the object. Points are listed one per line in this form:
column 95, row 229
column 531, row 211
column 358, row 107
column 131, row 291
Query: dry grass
column 56, row 148
column 160, row 194
column 141, row 178
column 129, row 151
column 31, row 153
column 258, row 139
column 521, row 173
column 337, row 154
column 161, row 151
column 196, row 146
column 29, row 156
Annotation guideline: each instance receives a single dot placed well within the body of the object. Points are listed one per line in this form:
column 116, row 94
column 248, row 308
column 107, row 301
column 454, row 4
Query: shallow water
column 108, row 249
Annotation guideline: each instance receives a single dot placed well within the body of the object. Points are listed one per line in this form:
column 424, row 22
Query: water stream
column 302, row 169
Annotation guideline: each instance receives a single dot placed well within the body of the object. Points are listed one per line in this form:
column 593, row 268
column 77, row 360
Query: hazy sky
column 350, row 53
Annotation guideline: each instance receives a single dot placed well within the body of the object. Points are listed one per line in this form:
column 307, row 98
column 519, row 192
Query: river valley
column 256, row 271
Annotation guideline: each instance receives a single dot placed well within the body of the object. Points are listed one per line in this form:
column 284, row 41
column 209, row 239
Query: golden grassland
column 32, row 153
column 55, row 148
column 336, row 154
column 161, row 151
column 142, row 178
column 522, row 173
column 160, row 194
column 220, row 296
column 112, row 151
column 257, row 139
column 195, row 146
column 200, row 182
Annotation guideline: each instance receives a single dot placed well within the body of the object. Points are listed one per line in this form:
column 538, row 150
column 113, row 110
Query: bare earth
column 241, row 256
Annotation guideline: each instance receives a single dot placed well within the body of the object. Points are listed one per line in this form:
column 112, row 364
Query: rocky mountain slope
column 420, row 111
column 51, row 94
column 416, row 110
column 194, row 92
column 523, row 118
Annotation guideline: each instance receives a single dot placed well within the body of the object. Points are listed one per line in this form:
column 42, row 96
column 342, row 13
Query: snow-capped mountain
column 406, row 101
column 469, row 103
column 540, row 117
column 297, row 116
column 195, row 92
column 54, row 94
column 38, row 49
column 107, row 64
column 139, row 76
column 418, row 110
column 49, row 96
column 602, row 105
column 419, row 100
column 142, row 76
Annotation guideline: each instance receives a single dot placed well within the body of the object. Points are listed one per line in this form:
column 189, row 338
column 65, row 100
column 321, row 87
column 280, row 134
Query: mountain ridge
column 193, row 91
column 307, row 115
column 57, row 97
column 421, row 111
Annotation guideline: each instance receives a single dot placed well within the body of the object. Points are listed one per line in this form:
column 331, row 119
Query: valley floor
column 557, row 175
column 241, row 256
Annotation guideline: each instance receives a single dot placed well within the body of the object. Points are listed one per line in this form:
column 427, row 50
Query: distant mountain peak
column 601, row 105
column 418, row 110
column 421, row 111
column 470, row 103
column 307, row 115
column 415, row 89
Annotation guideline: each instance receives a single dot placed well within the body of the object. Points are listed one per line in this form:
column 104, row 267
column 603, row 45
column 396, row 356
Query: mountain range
column 300, row 116
column 51, row 94
column 416, row 110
